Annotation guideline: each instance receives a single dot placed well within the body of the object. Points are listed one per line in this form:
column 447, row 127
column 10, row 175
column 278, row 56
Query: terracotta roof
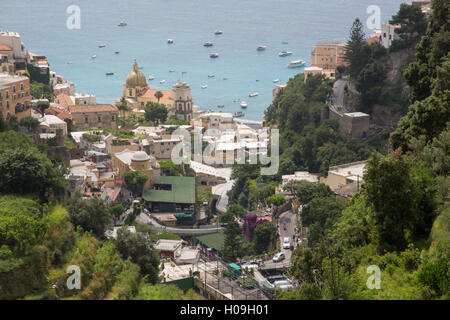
column 92, row 108
column 166, row 98
column 64, row 100
column 5, row 48
column 61, row 114
column 374, row 39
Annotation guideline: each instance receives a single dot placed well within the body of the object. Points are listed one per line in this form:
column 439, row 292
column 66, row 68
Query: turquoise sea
column 246, row 24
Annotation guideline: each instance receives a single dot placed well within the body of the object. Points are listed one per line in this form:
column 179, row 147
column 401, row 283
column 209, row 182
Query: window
column 22, row 94
column 21, row 86
column 99, row 119
column 7, row 94
column 7, row 104
column 113, row 118
column 14, row 88
column 14, row 97
column 86, row 119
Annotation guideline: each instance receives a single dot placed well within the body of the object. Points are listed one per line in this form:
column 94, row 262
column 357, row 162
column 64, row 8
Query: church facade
column 137, row 93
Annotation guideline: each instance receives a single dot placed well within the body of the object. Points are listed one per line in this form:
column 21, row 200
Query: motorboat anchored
column 243, row 104
column 212, row 75
column 151, row 77
column 296, row 63
column 208, row 44
column 109, row 73
column 204, row 86
column 284, row 42
column 94, row 56
column 162, row 81
column 253, row 94
column 285, row 53
column 169, row 40
column 275, row 80
column 122, row 24
column 261, row 48
column 117, row 52
column 218, row 32
column 214, row 55
column 102, row 45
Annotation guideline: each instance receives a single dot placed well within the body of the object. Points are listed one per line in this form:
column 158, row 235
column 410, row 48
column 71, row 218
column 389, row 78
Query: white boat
column 169, row 40
column 171, row 70
column 253, row 94
column 214, row 55
column 261, row 48
column 122, row 24
column 276, row 80
column 94, row 56
column 102, row 45
column 285, row 53
column 151, row 77
column 296, row 63
column 204, row 86
column 69, row 62
column 212, row 75
column 208, row 44
column 162, row 81
column 117, row 52
column 243, row 104
column 218, row 32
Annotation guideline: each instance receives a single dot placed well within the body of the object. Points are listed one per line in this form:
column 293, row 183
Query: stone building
column 13, row 40
column 15, row 97
column 388, row 34
column 127, row 160
column 355, row 124
column 102, row 116
column 328, row 55
column 183, row 104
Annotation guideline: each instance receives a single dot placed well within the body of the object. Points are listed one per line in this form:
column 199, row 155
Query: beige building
column 128, row 160
column 102, row 116
column 343, row 175
column 161, row 147
column 312, row 71
column 15, row 98
column 328, row 55
column 355, row 124
column 13, row 40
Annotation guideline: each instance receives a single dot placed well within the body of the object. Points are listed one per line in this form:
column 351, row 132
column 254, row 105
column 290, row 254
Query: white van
column 286, row 243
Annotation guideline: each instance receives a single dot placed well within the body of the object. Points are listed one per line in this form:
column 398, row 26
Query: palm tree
column 122, row 106
column 158, row 95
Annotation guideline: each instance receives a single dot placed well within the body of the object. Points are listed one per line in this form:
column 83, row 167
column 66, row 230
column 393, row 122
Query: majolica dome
column 136, row 78
column 140, row 156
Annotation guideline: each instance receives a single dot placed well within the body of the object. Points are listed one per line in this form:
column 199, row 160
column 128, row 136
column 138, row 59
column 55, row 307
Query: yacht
column 284, row 53
column 204, row 86
column 261, row 48
column 109, row 73
column 122, row 24
column 102, row 45
column 214, row 55
column 162, row 81
column 238, row 114
column 208, row 44
column 275, row 80
column 253, row 94
column 211, row 75
column 296, row 63
column 218, row 32
column 169, row 40
column 243, row 104
column 151, row 77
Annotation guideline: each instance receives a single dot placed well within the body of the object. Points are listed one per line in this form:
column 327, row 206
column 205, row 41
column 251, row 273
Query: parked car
column 278, row 257
column 286, row 243
column 282, row 284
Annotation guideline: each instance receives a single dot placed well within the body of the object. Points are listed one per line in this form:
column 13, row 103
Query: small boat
column 243, row 104
column 238, row 114
column 253, row 94
column 109, row 73
column 102, row 45
column 296, row 63
column 220, row 106
column 169, row 40
column 94, row 56
column 218, row 32
column 122, row 24
column 151, row 77
column 284, row 53
column 162, row 81
column 276, row 80
column 211, row 75
column 284, row 42
column 204, row 86
column 117, row 52
column 225, row 78
column 214, row 55
column 69, row 62
column 208, row 44
column 257, row 80
column 261, row 48
column 171, row 70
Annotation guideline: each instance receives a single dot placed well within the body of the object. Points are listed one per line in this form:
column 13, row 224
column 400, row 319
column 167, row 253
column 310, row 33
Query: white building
column 50, row 123
column 388, row 34
column 301, row 176
column 13, row 40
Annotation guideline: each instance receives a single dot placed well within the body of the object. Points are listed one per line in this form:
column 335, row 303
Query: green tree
column 116, row 210
column 369, row 84
column 3, row 124
column 139, row 249
column 30, row 123
column 90, row 214
column 412, row 23
column 264, row 237
column 306, row 191
column 156, row 112
column 234, row 240
column 356, row 49
column 135, row 181
column 276, row 200
column 42, row 106
column 158, row 95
